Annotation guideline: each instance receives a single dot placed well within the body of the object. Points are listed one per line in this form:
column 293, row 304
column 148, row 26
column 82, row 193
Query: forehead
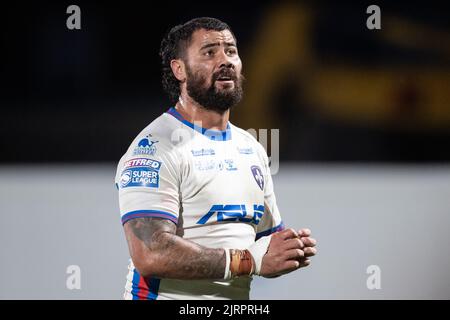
column 201, row 37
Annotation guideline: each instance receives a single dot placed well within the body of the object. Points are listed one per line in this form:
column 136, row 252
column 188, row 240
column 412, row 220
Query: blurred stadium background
column 364, row 119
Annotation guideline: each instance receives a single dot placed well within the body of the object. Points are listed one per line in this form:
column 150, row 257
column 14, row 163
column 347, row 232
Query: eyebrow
column 215, row 44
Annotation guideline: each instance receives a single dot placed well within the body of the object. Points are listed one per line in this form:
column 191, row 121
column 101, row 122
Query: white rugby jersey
column 214, row 185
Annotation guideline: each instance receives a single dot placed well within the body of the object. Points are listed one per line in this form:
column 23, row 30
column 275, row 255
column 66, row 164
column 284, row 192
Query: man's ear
column 178, row 69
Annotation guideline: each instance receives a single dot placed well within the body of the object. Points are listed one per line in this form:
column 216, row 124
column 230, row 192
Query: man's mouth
column 225, row 79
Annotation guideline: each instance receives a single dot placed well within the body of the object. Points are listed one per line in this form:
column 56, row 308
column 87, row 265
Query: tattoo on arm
column 176, row 257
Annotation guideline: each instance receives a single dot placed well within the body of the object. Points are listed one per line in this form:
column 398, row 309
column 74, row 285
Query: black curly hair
column 174, row 45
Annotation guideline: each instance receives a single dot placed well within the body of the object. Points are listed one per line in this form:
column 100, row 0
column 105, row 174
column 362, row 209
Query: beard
column 211, row 97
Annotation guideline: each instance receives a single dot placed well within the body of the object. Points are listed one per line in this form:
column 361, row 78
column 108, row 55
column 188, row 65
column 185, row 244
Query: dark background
column 83, row 95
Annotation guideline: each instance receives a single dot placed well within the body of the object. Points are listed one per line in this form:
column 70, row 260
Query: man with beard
column 195, row 192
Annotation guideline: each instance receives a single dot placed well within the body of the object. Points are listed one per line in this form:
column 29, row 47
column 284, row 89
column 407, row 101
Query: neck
column 195, row 113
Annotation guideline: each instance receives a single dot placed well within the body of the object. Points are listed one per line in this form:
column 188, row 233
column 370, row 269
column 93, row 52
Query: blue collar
column 216, row 135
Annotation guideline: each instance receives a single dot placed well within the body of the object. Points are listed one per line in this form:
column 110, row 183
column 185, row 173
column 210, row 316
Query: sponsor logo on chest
column 203, row 152
column 233, row 212
column 215, row 164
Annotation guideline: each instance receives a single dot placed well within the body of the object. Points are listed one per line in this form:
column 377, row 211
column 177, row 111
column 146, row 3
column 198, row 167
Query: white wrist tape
column 258, row 250
column 227, row 275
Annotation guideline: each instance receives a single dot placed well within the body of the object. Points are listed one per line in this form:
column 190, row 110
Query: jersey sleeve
column 148, row 181
column 271, row 220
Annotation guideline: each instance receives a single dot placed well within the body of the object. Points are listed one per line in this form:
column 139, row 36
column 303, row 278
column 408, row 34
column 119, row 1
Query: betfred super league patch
column 140, row 172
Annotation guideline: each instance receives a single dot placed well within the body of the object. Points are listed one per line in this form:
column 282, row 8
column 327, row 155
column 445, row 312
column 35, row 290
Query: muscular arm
column 157, row 251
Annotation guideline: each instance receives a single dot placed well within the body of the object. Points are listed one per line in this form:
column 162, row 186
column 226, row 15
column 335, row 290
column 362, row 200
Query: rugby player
column 196, row 195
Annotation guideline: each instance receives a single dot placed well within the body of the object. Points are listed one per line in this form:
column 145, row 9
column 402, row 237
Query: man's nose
column 226, row 65
column 225, row 61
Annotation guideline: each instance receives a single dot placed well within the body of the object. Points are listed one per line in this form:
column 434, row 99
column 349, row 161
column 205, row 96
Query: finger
column 308, row 242
column 305, row 263
column 288, row 234
column 309, row 252
column 304, row 232
column 291, row 265
column 295, row 254
column 295, row 243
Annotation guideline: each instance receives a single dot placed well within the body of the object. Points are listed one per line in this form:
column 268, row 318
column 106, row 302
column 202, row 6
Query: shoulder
column 242, row 134
column 250, row 139
column 154, row 143
column 161, row 128
column 157, row 137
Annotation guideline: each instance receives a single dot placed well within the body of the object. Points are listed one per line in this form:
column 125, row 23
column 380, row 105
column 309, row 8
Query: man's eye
column 231, row 51
column 209, row 53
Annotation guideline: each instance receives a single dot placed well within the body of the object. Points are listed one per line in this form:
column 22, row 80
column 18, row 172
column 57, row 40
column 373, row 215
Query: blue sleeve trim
column 149, row 213
column 270, row 231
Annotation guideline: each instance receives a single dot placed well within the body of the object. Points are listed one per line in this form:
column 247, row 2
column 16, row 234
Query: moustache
column 225, row 74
